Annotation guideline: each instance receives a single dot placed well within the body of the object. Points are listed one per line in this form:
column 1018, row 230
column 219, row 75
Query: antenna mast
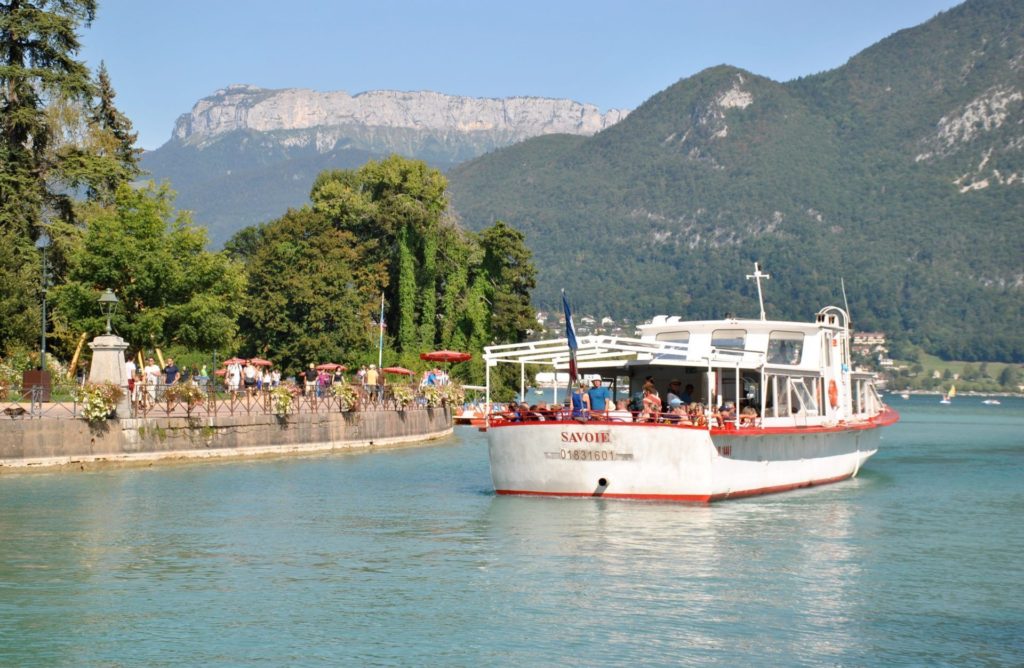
column 757, row 276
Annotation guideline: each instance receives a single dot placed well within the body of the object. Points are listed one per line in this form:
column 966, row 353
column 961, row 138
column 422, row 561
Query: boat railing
column 668, row 419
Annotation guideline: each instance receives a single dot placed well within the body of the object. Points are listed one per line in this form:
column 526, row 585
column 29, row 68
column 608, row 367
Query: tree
column 102, row 155
column 171, row 290
column 511, row 276
column 37, row 47
column 311, row 294
column 1009, row 377
column 395, row 208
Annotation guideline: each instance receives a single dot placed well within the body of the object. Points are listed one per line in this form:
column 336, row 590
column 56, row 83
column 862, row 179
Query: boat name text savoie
column 586, row 437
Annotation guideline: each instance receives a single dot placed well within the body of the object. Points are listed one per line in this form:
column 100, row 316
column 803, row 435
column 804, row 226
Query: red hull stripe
column 690, row 498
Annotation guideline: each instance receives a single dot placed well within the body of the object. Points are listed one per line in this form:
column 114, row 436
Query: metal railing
column 153, row 401
column 28, row 404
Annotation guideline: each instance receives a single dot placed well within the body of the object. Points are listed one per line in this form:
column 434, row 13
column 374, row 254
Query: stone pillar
column 108, row 367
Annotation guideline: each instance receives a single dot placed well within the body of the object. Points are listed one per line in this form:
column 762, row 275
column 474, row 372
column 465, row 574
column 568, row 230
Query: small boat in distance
column 772, row 406
column 991, row 402
column 948, row 397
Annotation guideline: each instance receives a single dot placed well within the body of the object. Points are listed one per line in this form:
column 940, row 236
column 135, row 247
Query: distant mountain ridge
column 901, row 172
column 507, row 120
column 245, row 154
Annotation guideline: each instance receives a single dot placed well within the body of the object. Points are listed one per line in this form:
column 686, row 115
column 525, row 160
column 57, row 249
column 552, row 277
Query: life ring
column 833, row 394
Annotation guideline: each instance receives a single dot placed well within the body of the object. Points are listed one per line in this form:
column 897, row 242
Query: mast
column 757, row 276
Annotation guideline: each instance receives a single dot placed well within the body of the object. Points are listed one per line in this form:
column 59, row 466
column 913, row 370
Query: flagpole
column 380, row 344
column 570, row 335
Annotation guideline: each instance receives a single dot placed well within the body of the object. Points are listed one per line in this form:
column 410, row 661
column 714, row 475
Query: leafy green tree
column 171, row 290
column 510, row 276
column 37, row 47
column 311, row 293
column 1009, row 377
column 394, row 207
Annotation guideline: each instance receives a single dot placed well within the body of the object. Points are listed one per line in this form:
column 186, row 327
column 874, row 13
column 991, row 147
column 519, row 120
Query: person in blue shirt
column 599, row 396
column 580, row 403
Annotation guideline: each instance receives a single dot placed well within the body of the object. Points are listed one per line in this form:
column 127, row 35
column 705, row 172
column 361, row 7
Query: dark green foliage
column 171, row 290
column 845, row 174
column 37, row 45
column 316, row 275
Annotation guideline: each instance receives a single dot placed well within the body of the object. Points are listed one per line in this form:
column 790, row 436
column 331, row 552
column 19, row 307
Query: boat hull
column 666, row 462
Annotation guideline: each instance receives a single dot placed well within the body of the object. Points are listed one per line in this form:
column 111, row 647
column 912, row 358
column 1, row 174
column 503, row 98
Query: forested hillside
column 901, row 172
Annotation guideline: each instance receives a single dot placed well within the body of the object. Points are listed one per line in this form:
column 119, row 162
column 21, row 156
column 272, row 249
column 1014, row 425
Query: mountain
column 246, row 154
column 900, row 174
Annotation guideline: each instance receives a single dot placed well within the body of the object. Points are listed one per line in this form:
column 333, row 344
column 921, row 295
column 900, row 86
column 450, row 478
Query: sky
column 163, row 56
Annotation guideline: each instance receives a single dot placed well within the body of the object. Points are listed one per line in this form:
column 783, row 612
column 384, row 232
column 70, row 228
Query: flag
column 570, row 333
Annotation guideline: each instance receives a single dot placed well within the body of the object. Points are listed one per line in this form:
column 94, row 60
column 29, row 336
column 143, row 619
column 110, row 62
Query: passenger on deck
column 581, row 403
column 652, row 404
column 726, row 414
column 687, row 396
column 676, row 410
column 696, row 413
column 748, row 416
column 600, row 397
column 620, row 413
column 674, row 393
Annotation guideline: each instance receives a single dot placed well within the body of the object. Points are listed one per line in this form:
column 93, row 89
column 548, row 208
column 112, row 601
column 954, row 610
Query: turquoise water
column 406, row 557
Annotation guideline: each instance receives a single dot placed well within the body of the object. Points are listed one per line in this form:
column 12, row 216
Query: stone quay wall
column 26, row 443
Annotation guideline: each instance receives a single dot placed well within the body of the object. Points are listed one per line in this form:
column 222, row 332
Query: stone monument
column 108, row 358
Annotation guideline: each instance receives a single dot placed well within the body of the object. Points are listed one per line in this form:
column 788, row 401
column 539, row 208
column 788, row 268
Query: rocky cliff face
column 297, row 111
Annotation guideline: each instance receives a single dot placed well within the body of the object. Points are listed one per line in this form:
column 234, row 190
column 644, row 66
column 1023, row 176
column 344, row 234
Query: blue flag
column 570, row 329
column 570, row 333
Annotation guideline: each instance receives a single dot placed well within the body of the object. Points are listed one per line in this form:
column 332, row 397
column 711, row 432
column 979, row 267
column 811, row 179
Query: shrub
column 347, row 395
column 403, row 396
column 98, row 400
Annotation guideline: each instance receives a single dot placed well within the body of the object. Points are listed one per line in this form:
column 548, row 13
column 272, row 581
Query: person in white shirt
column 151, row 372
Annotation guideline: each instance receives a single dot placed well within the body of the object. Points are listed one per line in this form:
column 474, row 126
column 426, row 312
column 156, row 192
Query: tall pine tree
column 38, row 42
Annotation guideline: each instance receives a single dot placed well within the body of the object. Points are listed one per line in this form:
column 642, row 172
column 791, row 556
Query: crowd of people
column 596, row 403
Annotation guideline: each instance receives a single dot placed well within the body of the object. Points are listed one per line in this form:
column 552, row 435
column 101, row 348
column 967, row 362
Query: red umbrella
column 330, row 366
column 220, row 372
column 399, row 370
column 256, row 361
column 445, row 356
column 234, row 360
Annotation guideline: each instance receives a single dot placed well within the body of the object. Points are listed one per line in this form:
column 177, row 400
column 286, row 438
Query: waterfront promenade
column 53, row 434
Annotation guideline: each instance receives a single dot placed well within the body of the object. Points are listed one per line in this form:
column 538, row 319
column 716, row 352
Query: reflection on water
column 407, row 557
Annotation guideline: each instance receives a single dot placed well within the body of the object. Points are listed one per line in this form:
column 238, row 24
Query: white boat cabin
column 791, row 373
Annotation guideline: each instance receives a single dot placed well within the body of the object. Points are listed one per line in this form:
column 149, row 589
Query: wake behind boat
column 774, row 406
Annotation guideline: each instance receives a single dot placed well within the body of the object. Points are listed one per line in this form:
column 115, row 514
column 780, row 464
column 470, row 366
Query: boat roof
column 609, row 353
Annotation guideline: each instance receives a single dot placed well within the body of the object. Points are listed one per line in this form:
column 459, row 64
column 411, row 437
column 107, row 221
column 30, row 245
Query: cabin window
column 729, row 338
column 785, row 347
column 675, row 337
column 807, row 403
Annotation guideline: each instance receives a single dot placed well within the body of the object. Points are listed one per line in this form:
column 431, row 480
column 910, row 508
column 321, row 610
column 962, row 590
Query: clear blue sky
column 164, row 55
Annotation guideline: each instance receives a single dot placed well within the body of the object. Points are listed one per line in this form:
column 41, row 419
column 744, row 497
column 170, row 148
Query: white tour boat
column 800, row 416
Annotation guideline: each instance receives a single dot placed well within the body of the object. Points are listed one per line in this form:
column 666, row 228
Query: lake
column 406, row 557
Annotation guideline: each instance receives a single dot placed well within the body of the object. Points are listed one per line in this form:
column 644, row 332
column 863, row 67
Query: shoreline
column 55, row 445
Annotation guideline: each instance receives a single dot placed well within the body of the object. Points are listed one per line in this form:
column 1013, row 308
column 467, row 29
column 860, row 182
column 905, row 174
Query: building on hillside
column 869, row 343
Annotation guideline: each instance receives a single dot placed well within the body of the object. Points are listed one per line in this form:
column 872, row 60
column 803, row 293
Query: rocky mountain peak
column 246, row 107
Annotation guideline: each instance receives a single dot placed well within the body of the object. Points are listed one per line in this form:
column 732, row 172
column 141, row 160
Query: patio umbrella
column 234, row 360
column 256, row 361
column 330, row 366
column 402, row 371
column 445, row 356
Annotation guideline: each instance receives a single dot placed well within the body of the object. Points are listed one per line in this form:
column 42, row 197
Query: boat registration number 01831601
column 587, row 455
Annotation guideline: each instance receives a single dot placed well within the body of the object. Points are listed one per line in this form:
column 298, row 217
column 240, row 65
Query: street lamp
column 108, row 300
column 42, row 243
